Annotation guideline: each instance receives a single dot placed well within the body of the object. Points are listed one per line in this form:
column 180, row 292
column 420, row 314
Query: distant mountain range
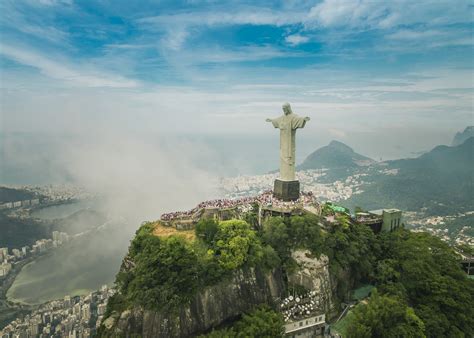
column 336, row 155
column 439, row 182
column 461, row 137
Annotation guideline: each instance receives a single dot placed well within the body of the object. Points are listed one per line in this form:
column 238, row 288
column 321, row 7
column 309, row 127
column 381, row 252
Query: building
column 17, row 253
column 385, row 220
column 5, row 269
column 3, row 254
column 86, row 312
column 63, row 237
column 76, row 310
column 101, row 309
column 313, row 326
column 467, row 264
column 7, row 205
column 56, row 236
column 371, row 220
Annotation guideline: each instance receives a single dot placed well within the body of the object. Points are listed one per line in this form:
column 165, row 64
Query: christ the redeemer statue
column 287, row 187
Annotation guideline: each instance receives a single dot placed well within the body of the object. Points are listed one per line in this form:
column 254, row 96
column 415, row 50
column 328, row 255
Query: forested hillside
column 442, row 181
column 421, row 289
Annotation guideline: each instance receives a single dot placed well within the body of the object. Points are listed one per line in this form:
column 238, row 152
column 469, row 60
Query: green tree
column 430, row 276
column 386, row 271
column 275, row 233
column 353, row 249
column 235, row 242
column 206, row 229
column 384, row 316
column 305, row 232
column 261, row 322
column 166, row 273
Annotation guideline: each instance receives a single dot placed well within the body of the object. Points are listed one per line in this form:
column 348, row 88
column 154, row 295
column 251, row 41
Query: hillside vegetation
column 418, row 278
column 421, row 291
column 18, row 232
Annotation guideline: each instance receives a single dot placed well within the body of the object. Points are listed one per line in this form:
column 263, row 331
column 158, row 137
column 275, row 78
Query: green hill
column 336, row 155
column 12, row 195
column 441, row 181
column 227, row 279
column 18, row 232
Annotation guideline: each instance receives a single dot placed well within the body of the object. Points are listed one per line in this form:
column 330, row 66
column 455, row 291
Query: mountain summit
column 335, row 155
column 461, row 137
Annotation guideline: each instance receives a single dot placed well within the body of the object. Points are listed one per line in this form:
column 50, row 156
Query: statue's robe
column 288, row 125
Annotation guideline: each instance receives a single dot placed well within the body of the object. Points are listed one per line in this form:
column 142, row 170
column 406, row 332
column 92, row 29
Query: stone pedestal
column 286, row 190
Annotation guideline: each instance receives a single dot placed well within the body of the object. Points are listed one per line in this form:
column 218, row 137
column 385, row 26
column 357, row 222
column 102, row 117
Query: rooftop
column 381, row 211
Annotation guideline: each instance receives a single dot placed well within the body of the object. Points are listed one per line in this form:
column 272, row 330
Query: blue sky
column 356, row 67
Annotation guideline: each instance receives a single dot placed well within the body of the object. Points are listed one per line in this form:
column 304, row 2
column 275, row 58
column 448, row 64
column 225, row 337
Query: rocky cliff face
column 211, row 307
column 313, row 274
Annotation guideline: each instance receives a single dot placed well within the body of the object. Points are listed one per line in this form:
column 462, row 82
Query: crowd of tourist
column 265, row 199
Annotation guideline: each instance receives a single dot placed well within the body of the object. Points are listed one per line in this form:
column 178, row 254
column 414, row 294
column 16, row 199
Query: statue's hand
column 268, row 120
column 307, row 118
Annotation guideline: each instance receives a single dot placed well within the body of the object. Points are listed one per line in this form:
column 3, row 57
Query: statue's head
column 287, row 108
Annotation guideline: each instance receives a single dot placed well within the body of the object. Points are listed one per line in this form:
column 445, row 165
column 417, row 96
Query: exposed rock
column 109, row 322
column 313, row 274
column 211, row 307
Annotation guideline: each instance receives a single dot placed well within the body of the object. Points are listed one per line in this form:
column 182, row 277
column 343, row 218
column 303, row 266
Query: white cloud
column 32, row 21
column 339, row 13
column 247, row 53
column 54, row 2
column 61, row 70
column 174, row 39
column 296, row 39
column 243, row 108
column 138, row 177
column 364, row 14
column 413, row 40
column 176, row 26
column 408, row 34
column 246, row 16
